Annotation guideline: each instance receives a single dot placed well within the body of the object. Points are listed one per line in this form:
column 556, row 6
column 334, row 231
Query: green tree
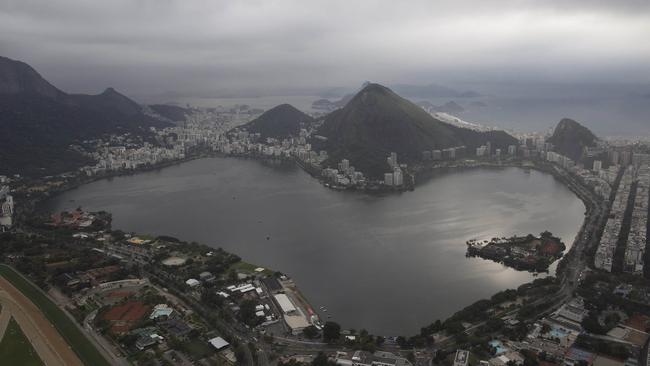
column 331, row 332
column 310, row 332
column 322, row 360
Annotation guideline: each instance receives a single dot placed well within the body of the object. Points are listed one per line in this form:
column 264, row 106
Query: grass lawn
column 15, row 348
column 86, row 351
column 249, row 268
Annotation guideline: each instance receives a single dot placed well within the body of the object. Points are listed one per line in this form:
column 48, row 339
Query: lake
column 389, row 264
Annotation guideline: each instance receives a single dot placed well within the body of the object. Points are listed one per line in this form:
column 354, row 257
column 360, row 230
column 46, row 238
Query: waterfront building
column 344, row 165
column 388, row 179
column 398, row 178
column 482, row 151
column 392, row 160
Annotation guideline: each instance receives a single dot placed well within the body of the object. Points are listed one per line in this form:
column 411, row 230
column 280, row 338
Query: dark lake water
column 389, row 264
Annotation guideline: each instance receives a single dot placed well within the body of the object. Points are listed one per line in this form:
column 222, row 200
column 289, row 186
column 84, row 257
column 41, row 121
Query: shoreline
column 479, row 164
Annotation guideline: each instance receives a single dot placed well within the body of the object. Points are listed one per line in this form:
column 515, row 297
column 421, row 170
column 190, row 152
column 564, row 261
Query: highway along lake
column 389, row 264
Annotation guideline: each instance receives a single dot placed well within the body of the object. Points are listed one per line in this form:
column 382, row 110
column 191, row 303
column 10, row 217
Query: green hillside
column 377, row 122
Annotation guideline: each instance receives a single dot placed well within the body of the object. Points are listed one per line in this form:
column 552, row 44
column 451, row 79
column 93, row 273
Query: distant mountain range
column 377, row 121
column 279, row 122
column 171, row 112
column 38, row 122
column 328, row 105
column 449, row 107
column 431, row 91
column 570, row 138
column 408, row 91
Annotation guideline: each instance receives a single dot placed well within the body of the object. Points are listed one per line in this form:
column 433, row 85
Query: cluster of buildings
column 605, row 253
column 203, row 127
column 638, row 173
column 598, row 179
column 486, row 150
column 117, row 158
column 451, row 153
column 636, row 240
column 395, row 178
column 531, row 146
column 124, row 300
column 279, row 306
column 346, row 175
column 76, row 219
column 554, row 337
column 6, row 207
column 242, row 142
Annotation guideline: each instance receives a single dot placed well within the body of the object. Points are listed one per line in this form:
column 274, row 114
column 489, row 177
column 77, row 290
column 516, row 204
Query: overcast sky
column 148, row 47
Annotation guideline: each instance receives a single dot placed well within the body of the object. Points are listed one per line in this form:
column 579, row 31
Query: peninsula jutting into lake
column 527, row 252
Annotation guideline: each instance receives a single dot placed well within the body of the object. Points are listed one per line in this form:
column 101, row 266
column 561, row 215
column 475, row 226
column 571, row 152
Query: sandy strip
column 4, row 322
column 45, row 339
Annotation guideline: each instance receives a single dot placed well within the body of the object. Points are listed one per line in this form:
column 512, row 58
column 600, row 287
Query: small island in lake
column 529, row 253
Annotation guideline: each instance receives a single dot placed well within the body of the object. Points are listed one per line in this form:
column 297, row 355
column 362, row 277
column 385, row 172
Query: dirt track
column 46, row 340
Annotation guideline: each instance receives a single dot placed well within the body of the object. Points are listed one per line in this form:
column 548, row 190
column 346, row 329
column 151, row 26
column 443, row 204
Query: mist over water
column 389, row 264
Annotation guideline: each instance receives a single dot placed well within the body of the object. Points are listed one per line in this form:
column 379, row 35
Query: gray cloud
column 146, row 47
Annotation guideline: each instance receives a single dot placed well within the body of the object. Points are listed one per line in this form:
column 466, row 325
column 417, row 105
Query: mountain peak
column 39, row 121
column 110, row 90
column 18, row 77
column 369, row 87
column 377, row 122
column 566, row 123
column 570, row 138
column 281, row 121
